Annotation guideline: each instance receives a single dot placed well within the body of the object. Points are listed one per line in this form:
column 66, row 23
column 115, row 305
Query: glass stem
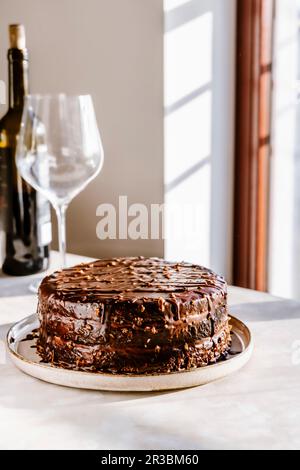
column 61, row 220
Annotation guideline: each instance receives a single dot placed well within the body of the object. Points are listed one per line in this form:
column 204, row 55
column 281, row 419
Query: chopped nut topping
column 161, row 304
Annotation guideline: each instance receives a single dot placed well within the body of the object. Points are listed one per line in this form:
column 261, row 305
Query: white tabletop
column 256, row 408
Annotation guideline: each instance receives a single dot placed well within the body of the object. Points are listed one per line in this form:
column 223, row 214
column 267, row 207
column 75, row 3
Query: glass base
column 34, row 286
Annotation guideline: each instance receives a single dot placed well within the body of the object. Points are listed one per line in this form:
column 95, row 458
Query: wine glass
column 59, row 150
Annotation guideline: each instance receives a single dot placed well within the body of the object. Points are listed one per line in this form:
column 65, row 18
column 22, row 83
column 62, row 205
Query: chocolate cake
column 133, row 316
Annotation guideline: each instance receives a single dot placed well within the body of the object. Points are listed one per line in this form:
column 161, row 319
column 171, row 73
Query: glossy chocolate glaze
column 133, row 315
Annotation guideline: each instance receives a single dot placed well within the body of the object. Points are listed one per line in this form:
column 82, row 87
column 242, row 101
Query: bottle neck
column 18, row 77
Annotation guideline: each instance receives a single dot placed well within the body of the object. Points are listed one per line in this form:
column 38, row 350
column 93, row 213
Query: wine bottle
column 24, row 214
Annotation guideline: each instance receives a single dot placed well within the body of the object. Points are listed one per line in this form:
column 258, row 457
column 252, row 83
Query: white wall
column 284, row 250
column 112, row 49
column 199, row 129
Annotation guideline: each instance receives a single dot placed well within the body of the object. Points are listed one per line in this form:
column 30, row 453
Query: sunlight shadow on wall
column 188, row 118
column 199, row 129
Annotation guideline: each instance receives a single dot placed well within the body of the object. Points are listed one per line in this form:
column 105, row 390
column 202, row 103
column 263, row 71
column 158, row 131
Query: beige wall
column 112, row 49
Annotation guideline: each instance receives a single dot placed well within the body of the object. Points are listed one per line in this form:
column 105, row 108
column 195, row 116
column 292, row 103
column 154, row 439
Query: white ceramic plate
column 23, row 354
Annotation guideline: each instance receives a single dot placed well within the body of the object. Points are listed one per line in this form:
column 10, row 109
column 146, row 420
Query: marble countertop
column 256, row 408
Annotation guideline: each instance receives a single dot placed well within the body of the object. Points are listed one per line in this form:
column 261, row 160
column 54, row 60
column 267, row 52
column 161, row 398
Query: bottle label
column 4, row 197
column 44, row 228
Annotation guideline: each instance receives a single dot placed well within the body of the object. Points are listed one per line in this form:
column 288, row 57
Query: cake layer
column 133, row 314
column 138, row 327
column 136, row 360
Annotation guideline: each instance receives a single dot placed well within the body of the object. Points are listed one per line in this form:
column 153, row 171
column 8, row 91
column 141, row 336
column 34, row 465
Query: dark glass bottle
column 24, row 214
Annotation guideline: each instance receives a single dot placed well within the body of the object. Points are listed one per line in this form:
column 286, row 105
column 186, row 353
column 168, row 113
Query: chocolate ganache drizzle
column 133, row 316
